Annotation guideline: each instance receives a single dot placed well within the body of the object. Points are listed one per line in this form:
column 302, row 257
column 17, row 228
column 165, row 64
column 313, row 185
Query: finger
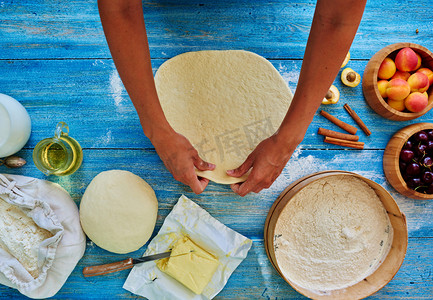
column 235, row 187
column 242, row 169
column 203, row 182
column 242, row 189
column 257, row 189
column 203, row 165
column 197, row 184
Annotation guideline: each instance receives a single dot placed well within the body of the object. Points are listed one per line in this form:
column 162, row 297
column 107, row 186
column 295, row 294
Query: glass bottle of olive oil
column 60, row 155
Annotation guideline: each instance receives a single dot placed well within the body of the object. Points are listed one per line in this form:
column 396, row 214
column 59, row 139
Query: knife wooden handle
column 108, row 268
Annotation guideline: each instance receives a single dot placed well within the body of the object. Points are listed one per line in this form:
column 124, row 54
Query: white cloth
column 187, row 218
column 51, row 208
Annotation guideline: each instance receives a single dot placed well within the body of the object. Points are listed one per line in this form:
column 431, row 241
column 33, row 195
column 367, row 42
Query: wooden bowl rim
column 281, row 200
column 382, row 54
column 407, row 131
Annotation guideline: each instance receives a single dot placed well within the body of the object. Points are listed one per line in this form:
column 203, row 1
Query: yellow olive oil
column 61, row 155
column 54, row 156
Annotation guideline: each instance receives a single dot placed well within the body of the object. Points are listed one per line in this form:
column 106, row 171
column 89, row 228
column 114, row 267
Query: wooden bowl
column 369, row 82
column 391, row 157
column 371, row 284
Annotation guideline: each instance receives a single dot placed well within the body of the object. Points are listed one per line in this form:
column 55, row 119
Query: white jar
column 15, row 126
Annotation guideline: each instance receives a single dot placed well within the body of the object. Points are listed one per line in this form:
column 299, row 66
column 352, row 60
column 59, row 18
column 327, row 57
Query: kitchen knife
column 121, row 265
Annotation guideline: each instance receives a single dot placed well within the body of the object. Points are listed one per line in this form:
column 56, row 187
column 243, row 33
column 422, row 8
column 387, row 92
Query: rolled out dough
column 332, row 234
column 224, row 102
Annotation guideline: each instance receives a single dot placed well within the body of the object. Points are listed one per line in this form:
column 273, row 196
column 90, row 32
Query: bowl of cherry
column 408, row 161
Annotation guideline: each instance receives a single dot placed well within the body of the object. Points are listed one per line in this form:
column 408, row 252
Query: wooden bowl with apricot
column 398, row 81
column 408, row 161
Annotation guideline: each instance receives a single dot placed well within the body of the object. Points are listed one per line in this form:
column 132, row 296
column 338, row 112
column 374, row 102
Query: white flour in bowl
column 332, row 234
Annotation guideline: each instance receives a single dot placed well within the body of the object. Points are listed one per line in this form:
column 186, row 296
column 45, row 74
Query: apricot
column 406, row 60
column 387, row 69
column 416, row 102
column 397, row 104
column 382, row 85
column 350, row 77
column 429, row 74
column 397, row 89
column 332, row 96
column 418, row 82
column 401, row 75
column 346, row 60
column 418, row 65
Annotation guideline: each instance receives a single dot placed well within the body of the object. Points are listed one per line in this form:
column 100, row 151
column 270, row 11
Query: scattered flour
column 266, row 269
column 103, row 140
column 98, row 62
column 116, row 88
column 416, row 211
column 289, row 76
column 296, row 168
column 300, row 166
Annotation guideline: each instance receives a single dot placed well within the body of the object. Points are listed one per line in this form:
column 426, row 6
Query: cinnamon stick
column 345, row 143
column 357, row 119
column 338, row 135
column 349, row 128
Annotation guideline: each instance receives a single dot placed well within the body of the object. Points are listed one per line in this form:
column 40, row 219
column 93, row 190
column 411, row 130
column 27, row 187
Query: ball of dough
column 118, row 211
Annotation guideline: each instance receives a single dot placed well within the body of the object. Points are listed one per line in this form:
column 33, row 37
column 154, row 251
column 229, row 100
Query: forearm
column 125, row 31
column 333, row 29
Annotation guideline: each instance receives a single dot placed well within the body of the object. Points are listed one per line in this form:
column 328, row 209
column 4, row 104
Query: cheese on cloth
column 20, row 236
column 190, row 265
column 332, row 234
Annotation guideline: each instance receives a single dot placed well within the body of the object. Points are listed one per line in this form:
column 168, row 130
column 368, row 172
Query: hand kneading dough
column 118, row 211
column 224, row 102
column 332, row 234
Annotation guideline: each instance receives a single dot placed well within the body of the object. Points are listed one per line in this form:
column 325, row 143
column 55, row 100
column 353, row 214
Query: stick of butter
column 190, row 265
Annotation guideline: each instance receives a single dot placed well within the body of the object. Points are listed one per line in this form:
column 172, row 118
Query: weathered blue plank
column 274, row 29
column 219, row 200
column 54, row 60
column 89, row 96
column 255, row 278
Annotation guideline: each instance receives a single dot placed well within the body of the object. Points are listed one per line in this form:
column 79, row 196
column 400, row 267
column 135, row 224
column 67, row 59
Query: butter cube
column 190, row 265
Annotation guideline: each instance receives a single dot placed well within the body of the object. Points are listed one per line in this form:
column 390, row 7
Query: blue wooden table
column 55, row 61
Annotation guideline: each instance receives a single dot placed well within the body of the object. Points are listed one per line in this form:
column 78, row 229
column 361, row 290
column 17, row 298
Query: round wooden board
column 370, row 284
